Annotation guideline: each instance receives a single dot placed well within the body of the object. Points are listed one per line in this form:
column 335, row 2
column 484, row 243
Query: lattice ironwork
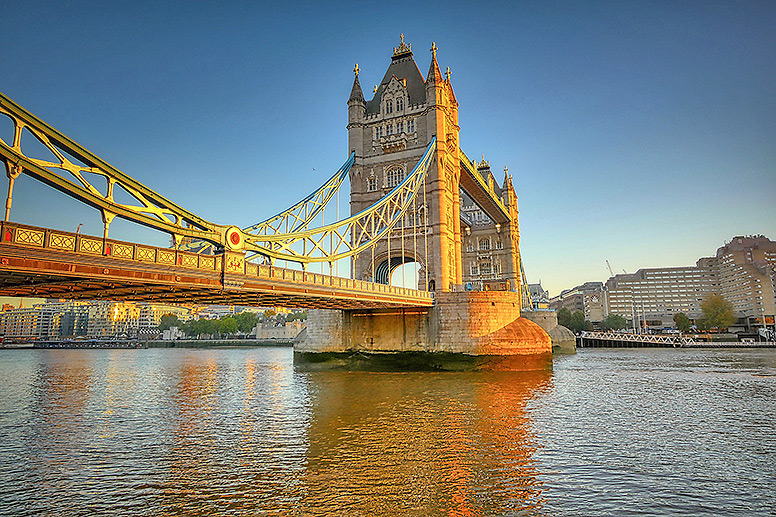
column 30, row 237
column 634, row 338
column 286, row 236
column 293, row 219
column 77, row 172
column 352, row 235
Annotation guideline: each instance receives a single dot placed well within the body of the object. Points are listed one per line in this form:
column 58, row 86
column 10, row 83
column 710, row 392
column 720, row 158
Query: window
column 389, row 107
column 469, row 246
column 475, row 270
column 485, row 268
column 371, row 183
column 390, row 129
column 395, row 176
column 410, row 126
column 400, row 128
column 484, row 244
column 399, row 104
column 499, row 245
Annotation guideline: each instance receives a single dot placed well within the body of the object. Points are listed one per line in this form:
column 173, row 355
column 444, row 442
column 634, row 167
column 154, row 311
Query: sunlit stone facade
column 389, row 134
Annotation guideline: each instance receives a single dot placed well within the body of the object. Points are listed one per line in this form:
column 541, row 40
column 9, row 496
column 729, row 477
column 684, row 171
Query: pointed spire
column 434, row 74
column 507, row 178
column 355, row 93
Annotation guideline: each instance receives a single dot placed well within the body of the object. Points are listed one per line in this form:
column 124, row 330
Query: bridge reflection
column 425, row 443
column 195, row 432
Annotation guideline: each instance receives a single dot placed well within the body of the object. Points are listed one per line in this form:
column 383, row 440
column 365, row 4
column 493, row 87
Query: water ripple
column 240, row 432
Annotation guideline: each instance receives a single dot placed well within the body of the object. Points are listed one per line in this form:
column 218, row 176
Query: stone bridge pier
column 463, row 331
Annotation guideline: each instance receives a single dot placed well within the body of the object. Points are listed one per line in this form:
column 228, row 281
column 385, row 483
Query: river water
column 240, row 432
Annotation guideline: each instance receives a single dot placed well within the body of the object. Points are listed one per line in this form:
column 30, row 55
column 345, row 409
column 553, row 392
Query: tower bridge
column 408, row 177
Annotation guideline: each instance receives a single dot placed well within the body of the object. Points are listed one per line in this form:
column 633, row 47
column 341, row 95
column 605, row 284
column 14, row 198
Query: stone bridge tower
column 475, row 321
column 389, row 134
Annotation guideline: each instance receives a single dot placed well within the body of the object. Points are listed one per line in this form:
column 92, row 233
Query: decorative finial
column 433, row 49
column 506, row 171
column 356, row 70
column 402, row 48
column 375, row 90
column 447, row 74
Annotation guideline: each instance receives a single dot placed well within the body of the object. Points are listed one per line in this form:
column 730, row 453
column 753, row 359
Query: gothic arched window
column 485, row 244
column 399, row 104
column 371, row 183
column 389, row 107
column 486, row 268
column 395, row 175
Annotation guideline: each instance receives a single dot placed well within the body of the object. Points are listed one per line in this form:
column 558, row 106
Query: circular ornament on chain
column 234, row 239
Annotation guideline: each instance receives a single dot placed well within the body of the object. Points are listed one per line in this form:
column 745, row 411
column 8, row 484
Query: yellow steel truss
column 293, row 219
column 279, row 237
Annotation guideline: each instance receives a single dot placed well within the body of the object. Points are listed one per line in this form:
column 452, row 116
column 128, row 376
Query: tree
column 169, row 320
column 717, row 312
column 204, row 326
column 615, row 322
column 269, row 313
column 578, row 322
column 682, row 322
column 227, row 325
column 246, row 321
column 564, row 317
column 301, row 316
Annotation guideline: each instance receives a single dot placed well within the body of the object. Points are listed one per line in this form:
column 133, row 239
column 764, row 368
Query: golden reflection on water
column 422, row 444
column 242, row 433
column 193, row 454
column 206, row 433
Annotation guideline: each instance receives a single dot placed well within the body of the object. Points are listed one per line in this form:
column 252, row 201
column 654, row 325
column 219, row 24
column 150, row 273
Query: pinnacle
column 356, row 94
column 434, row 73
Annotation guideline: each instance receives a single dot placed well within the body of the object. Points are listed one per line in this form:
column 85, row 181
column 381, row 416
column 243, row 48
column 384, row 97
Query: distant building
column 22, row 324
column 278, row 331
column 654, row 295
column 586, row 297
column 68, row 319
column 742, row 271
column 745, row 271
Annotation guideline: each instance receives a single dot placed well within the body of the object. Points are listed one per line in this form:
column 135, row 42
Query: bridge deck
column 41, row 262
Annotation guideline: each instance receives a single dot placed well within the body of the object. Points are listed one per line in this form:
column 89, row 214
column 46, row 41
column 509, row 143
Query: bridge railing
column 634, row 338
column 87, row 245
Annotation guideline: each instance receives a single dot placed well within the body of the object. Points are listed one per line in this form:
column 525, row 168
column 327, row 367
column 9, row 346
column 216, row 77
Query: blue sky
column 639, row 132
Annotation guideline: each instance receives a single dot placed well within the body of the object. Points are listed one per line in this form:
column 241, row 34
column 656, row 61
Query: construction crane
column 610, row 267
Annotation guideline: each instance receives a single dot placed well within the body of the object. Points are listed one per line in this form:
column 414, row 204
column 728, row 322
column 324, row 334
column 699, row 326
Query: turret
column 356, row 115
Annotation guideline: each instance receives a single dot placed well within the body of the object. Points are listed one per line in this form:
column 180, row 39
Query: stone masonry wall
column 324, row 332
column 485, row 323
column 391, row 330
column 473, row 323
